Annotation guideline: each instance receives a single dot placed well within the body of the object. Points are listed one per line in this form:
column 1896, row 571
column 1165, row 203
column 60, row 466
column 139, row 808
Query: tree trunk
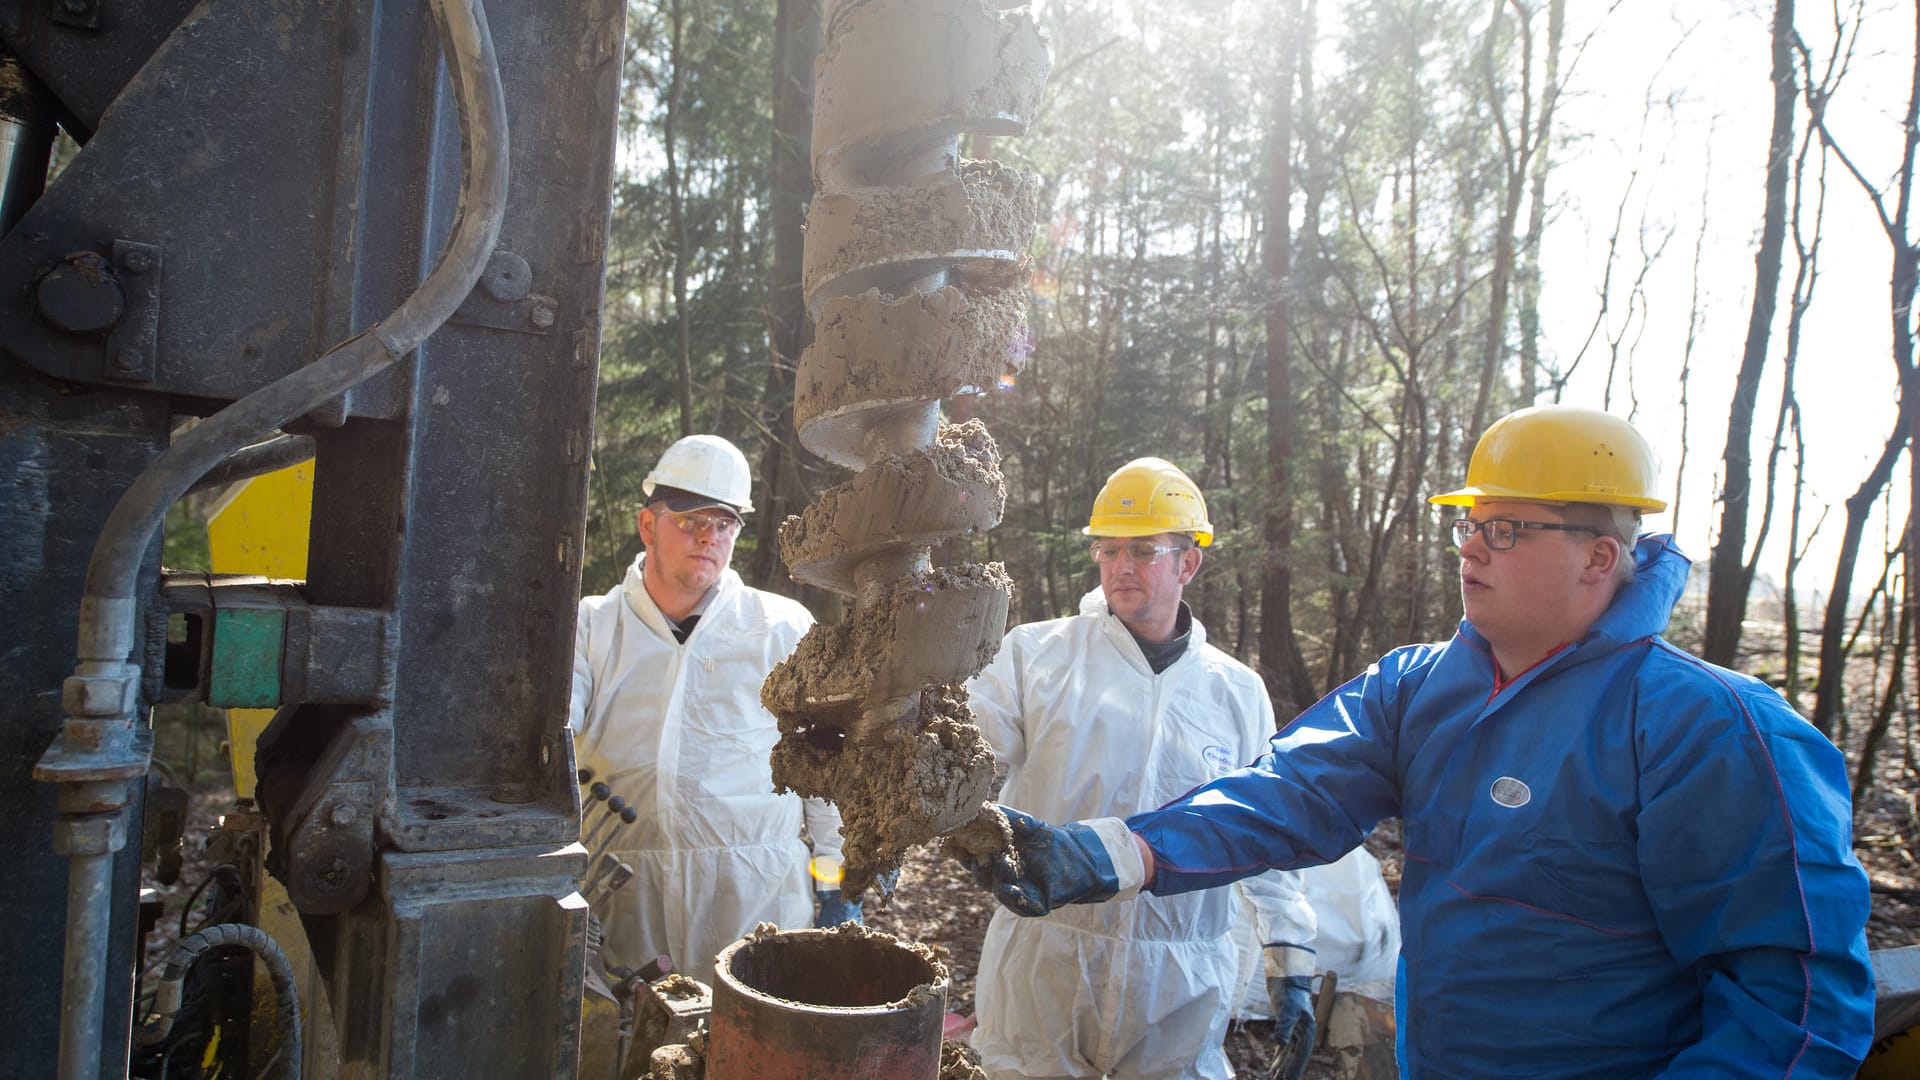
column 796, row 41
column 1883, row 716
column 676, row 212
column 1281, row 663
column 1515, row 144
column 1728, row 579
column 1828, row 692
column 1528, row 282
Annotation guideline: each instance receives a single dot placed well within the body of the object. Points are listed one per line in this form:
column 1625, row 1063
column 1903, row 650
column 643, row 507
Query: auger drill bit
column 914, row 273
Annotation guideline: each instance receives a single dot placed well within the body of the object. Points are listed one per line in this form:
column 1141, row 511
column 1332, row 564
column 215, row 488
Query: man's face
column 1522, row 595
column 688, row 550
column 1146, row 595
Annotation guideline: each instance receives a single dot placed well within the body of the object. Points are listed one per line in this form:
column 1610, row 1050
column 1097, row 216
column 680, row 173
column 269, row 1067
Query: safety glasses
column 697, row 524
column 1142, row 552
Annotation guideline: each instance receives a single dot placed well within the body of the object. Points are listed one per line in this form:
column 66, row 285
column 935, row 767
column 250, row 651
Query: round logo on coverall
column 1220, row 758
column 1511, row 793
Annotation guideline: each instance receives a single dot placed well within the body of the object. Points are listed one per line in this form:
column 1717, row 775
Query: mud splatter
column 982, row 210
column 900, row 502
column 901, row 790
column 958, row 1061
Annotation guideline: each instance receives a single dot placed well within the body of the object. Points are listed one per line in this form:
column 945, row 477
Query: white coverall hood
column 1139, row 988
column 678, row 731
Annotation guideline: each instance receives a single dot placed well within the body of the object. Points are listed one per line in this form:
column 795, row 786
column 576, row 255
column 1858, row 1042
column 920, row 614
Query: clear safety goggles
column 698, row 524
column 1142, row 552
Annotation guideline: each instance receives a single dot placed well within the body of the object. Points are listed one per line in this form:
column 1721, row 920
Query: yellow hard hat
column 1563, row 454
column 1148, row 496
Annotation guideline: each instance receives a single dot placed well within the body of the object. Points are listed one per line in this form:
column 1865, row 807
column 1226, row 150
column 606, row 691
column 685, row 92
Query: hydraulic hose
column 258, row 459
column 475, row 76
column 286, row 994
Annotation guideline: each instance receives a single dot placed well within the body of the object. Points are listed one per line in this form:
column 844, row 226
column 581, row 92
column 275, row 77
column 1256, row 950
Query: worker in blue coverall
column 1621, row 861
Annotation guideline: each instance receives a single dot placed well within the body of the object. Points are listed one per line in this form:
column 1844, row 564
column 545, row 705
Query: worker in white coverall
column 1112, row 711
column 666, row 710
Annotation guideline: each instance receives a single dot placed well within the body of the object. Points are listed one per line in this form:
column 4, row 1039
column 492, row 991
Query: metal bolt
column 507, row 277
column 80, row 296
column 542, row 316
column 137, row 262
column 77, row 7
column 343, row 815
column 128, row 360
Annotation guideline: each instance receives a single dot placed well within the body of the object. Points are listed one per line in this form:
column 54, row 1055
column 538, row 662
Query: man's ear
column 644, row 522
column 1190, row 560
column 1603, row 559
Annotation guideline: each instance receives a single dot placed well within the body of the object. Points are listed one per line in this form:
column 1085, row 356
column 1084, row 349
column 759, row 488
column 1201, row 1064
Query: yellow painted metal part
column 1896, row 1057
column 260, row 527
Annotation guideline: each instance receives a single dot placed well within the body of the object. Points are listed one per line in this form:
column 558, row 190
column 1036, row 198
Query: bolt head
column 507, row 277
column 76, row 7
column 137, row 262
column 542, row 316
column 343, row 815
column 129, row 360
column 80, row 296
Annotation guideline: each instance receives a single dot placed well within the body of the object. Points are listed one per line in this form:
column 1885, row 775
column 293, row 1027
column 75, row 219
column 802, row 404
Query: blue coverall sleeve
column 1746, row 853
column 1323, row 783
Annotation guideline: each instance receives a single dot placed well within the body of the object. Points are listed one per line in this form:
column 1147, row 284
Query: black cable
column 194, row 897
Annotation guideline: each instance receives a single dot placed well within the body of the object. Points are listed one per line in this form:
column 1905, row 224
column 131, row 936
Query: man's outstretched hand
column 1045, row 866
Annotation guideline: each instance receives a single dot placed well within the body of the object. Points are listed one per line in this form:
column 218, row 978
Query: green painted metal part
column 246, row 658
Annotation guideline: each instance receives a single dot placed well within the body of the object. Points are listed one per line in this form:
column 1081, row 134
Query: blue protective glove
column 834, row 909
column 1293, row 1025
column 1047, row 866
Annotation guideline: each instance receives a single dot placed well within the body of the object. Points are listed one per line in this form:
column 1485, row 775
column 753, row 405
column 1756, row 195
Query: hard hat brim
column 1467, row 496
column 681, row 501
column 1201, row 537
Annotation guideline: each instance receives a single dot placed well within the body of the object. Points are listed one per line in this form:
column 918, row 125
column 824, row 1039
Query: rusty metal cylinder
column 826, row 1005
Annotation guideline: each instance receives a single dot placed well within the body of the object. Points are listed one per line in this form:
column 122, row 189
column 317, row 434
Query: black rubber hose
column 286, row 994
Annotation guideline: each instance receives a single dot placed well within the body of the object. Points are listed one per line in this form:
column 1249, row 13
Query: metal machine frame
column 267, row 193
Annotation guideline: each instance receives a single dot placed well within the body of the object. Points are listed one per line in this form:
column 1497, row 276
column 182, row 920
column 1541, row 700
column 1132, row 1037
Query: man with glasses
column 1112, row 711
column 1621, row 861
column 666, row 711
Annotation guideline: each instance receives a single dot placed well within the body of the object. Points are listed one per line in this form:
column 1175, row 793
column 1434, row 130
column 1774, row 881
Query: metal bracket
column 253, row 643
column 527, row 315
column 132, row 344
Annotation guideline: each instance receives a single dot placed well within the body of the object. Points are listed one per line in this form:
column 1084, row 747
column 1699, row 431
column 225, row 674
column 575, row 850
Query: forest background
column 1485, row 204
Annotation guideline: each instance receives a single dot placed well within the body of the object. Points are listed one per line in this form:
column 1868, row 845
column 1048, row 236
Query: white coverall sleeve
column 823, row 828
column 994, row 697
column 582, row 697
column 1282, row 917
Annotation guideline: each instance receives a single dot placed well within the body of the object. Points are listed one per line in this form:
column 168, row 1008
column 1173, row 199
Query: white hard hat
column 706, row 465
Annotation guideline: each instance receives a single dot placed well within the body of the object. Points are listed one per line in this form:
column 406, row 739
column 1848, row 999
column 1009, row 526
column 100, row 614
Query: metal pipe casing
column 89, row 879
column 841, row 1004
